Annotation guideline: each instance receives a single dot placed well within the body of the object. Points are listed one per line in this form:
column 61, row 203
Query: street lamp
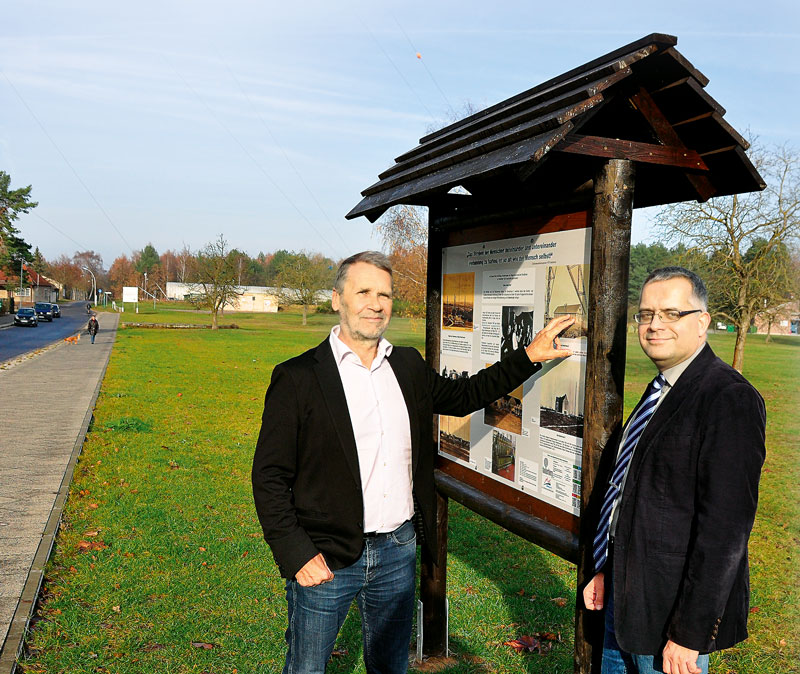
column 94, row 284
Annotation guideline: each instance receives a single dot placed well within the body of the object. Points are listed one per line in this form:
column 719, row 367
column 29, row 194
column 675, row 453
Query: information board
column 495, row 296
column 130, row 294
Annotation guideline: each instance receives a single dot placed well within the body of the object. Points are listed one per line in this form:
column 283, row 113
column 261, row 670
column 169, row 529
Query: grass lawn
column 160, row 565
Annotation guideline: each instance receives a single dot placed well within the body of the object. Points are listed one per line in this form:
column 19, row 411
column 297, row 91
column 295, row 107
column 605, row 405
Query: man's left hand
column 680, row 660
column 546, row 346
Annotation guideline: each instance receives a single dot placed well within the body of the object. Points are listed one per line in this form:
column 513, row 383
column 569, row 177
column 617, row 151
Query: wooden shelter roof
column 643, row 102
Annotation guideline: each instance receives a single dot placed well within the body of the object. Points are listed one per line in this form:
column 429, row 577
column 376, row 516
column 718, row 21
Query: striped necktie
column 635, row 427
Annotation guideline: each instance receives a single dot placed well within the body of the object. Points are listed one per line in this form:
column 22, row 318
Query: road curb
column 18, row 629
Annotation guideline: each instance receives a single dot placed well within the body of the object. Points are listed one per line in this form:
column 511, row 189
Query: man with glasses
column 676, row 496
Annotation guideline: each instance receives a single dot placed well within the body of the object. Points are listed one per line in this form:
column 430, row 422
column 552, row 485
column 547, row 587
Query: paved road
column 53, row 394
column 16, row 340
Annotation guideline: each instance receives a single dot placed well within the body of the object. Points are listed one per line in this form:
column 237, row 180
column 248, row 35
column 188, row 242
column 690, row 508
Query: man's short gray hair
column 373, row 257
column 699, row 292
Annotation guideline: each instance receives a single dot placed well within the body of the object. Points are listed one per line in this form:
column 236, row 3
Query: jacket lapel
column 403, row 377
column 330, row 382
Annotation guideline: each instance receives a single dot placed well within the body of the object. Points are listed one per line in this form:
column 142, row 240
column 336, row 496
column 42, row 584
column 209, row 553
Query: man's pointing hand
column 546, row 345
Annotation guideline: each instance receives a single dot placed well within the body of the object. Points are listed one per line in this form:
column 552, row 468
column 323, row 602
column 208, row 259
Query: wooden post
column 605, row 367
column 433, row 572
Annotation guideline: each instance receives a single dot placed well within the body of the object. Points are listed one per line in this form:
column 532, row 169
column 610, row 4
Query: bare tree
column 215, row 278
column 744, row 238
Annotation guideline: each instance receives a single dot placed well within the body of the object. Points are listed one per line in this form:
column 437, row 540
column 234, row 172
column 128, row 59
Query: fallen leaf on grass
column 90, row 534
column 116, row 609
column 559, row 601
column 529, row 644
column 93, row 506
column 149, row 648
column 470, row 590
column 86, row 546
column 782, row 643
column 755, row 609
column 338, row 652
column 203, row 644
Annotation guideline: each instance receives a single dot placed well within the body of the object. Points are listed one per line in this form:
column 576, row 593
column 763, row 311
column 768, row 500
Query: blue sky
column 175, row 121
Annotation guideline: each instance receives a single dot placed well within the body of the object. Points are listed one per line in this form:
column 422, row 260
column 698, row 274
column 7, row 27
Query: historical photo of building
column 562, row 396
column 566, row 291
column 506, row 412
column 504, row 458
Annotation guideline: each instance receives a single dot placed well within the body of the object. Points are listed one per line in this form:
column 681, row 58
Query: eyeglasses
column 668, row 316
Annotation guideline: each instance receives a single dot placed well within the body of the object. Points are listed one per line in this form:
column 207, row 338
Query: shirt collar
column 342, row 351
column 671, row 374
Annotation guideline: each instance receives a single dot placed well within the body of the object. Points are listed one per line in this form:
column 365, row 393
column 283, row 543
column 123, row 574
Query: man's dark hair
column 699, row 291
column 373, row 257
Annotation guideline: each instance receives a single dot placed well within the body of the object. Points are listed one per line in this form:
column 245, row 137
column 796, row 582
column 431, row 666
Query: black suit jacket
column 306, row 480
column 680, row 549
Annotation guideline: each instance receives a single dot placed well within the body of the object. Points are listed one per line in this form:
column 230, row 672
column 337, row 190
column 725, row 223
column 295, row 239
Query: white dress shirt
column 671, row 375
column 382, row 432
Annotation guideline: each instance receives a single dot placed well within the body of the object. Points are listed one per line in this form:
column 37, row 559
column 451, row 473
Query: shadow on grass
column 501, row 587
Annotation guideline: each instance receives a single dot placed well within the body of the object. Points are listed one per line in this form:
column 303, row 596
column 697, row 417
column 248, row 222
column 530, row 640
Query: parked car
column 56, row 311
column 44, row 310
column 26, row 316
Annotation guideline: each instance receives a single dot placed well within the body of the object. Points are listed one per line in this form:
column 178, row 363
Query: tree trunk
column 214, row 325
column 742, row 326
column 769, row 331
column 305, row 314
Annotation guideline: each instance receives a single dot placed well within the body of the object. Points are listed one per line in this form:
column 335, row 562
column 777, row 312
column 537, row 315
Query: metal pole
column 94, row 284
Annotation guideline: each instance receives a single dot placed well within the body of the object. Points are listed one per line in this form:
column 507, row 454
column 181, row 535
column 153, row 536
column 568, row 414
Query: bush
column 325, row 308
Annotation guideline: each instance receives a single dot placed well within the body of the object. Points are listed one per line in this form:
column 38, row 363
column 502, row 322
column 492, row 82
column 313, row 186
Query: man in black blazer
column 677, row 496
column 344, row 463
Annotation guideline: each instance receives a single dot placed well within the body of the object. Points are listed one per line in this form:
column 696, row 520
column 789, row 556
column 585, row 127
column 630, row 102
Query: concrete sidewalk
column 51, row 397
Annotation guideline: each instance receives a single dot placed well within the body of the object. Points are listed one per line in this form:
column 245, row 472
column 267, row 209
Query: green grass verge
column 160, row 547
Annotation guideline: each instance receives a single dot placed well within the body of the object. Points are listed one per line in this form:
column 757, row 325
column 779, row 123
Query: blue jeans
column 617, row 661
column 382, row 581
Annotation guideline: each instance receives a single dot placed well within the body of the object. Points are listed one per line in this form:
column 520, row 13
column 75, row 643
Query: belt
column 376, row 534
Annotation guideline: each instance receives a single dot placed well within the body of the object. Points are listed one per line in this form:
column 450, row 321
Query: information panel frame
column 495, row 235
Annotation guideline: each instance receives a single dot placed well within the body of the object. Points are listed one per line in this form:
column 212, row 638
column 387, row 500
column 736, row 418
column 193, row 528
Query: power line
column 408, row 84
column 424, row 65
column 67, row 162
column 249, row 155
column 64, row 234
column 285, row 156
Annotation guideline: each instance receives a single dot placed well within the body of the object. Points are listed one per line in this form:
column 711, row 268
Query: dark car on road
column 56, row 311
column 44, row 310
column 26, row 316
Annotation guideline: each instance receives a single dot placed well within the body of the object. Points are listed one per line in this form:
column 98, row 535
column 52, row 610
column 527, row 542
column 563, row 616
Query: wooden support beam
column 605, row 365
column 433, row 572
column 614, row 148
column 665, row 134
